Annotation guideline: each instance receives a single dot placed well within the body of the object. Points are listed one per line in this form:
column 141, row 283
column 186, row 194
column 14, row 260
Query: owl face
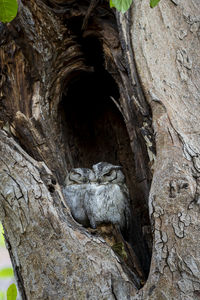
column 108, row 173
column 80, row 176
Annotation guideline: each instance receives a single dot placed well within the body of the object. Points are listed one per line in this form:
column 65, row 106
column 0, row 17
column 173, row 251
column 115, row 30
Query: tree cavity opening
column 94, row 130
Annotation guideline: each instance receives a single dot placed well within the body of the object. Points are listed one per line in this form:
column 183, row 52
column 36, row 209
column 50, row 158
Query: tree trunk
column 80, row 86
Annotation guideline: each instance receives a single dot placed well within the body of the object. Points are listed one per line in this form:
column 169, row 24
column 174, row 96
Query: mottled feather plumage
column 98, row 196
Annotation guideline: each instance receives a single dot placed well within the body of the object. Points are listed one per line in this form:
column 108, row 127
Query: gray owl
column 76, row 186
column 107, row 199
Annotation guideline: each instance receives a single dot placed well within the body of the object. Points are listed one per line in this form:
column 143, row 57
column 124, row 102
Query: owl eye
column 109, row 173
column 75, row 174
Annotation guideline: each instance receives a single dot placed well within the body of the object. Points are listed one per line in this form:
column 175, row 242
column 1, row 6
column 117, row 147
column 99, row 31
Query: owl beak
column 93, row 179
column 99, row 180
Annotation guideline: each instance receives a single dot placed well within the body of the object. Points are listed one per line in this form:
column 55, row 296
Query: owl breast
column 107, row 203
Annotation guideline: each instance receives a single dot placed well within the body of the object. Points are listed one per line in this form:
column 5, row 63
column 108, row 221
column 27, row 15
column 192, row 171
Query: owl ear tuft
column 118, row 167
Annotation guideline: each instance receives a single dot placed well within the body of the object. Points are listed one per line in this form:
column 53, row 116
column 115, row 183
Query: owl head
column 80, row 176
column 108, row 173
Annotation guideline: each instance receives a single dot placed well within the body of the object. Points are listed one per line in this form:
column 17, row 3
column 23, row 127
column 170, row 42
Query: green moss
column 120, row 250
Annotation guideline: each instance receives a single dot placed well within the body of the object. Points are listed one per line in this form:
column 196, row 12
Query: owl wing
column 127, row 207
column 74, row 196
column 90, row 205
column 122, row 211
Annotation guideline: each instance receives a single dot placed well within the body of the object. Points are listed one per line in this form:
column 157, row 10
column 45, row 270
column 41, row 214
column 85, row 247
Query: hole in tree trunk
column 95, row 131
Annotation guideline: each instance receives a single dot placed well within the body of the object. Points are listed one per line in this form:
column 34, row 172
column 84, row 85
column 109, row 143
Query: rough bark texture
column 59, row 82
column 52, row 256
column 165, row 43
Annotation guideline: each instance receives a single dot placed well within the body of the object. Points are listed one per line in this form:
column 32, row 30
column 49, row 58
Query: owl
column 107, row 199
column 75, row 188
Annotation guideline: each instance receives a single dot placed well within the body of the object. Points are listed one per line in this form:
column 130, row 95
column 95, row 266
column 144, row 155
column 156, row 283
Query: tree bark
column 113, row 90
column 165, row 43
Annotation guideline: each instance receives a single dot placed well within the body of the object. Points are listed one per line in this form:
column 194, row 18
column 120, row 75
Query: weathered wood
column 148, row 64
